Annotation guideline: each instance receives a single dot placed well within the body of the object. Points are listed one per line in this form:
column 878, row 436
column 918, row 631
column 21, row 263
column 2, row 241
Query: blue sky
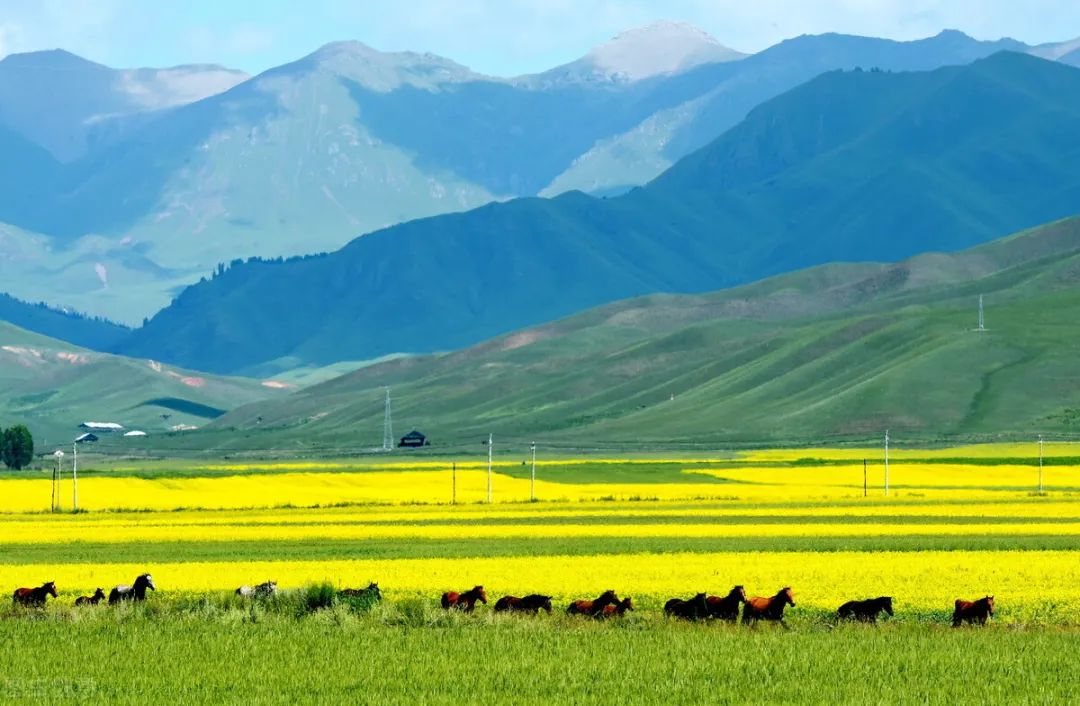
column 499, row 37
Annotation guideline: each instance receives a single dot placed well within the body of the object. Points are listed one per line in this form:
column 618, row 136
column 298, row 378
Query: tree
column 16, row 447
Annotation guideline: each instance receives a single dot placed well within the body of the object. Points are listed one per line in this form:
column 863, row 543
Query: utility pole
column 453, row 484
column 388, row 426
column 489, row 468
column 886, row 463
column 75, row 476
column 55, row 503
column 864, row 489
column 532, row 478
column 1040, row 464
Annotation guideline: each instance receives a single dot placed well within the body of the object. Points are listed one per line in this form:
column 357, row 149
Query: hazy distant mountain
column 653, row 50
column 69, row 105
column 851, row 166
column 114, row 201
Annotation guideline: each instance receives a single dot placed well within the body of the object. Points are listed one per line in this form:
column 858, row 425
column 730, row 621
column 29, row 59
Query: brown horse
column 865, row 611
column 696, row 608
column 616, row 611
column 727, row 608
column 771, row 609
column 34, row 597
column 465, row 601
column 607, row 598
column 532, row 603
column 973, row 611
column 98, row 597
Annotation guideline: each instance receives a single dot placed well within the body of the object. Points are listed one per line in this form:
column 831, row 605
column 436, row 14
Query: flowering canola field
column 659, row 528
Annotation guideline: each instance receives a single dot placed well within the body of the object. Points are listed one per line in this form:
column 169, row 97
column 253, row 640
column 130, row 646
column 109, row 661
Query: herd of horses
column 700, row 607
column 705, row 607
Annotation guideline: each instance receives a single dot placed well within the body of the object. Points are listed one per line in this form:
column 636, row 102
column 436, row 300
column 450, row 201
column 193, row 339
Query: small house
column 101, row 426
column 413, row 439
column 86, row 438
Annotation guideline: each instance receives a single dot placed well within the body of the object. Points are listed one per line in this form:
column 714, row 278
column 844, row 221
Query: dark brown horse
column 616, row 611
column 134, row 592
column 771, row 609
column 727, row 608
column 34, row 597
column 607, row 598
column 696, row 608
column 465, row 601
column 98, row 597
column 865, row 611
column 973, row 611
column 532, row 603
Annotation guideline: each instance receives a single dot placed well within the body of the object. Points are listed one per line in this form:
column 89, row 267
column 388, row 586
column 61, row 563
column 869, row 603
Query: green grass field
column 402, row 658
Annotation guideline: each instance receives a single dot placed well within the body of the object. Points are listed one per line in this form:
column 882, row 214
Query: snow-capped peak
column 658, row 48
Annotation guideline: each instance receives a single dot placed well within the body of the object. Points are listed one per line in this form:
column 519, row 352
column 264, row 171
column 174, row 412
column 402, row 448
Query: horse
column 973, row 611
column 616, row 611
column 263, row 590
column 135, row 592
column 696, row 608
column 465, row 601
column 532, row 603
column 727, row 608
column 34, row 597
column 865, row 611
column 372, row 592
column 607, row 598
column 771, row 609
column 98, row 597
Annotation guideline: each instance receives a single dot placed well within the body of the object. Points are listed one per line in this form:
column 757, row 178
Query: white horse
column 263, row 590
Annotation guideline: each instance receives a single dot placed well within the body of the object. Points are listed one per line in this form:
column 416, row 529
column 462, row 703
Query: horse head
column 886, row 603
column 480, row 593
column 50, row 588
column 738, row 592
column 99, row 595
column 609, row 597
column 787, row 596
column 146, row 580
column 374, row 588
column 989, row 604
column 545, row 603
column 628, row 603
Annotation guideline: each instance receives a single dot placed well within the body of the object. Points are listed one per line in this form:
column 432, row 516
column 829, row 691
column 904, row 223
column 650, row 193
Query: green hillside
column 53, row 386
column 851, row 166
column 833, row 353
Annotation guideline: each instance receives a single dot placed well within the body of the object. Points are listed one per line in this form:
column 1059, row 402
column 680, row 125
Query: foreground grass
column 412, row 653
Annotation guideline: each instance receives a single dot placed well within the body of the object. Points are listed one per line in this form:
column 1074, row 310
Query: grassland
column 961, row 522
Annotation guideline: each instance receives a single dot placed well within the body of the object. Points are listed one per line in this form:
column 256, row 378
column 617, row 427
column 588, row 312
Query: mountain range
column 124, row 186
column 834, row 353
column 851, row 166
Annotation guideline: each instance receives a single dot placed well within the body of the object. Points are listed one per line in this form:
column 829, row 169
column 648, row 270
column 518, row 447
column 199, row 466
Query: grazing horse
column 532, row 603
column 973, row 611
column 616, row 611
column 727, row 608
column 372, row 592
column 98, row 597
column 771, row 609
column 135, row 592
column 464, row 601
column 865, row 611
column 696, row 608
column 263, row 590
column 34, row 597
column 607, row 598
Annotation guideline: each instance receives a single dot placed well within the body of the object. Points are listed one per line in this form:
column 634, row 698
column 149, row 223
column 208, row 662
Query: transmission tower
column 982, row 320
column 388, row 426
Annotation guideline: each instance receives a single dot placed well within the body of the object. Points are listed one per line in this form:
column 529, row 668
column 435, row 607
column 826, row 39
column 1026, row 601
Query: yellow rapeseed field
column 917, row 580
column 420, row 484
